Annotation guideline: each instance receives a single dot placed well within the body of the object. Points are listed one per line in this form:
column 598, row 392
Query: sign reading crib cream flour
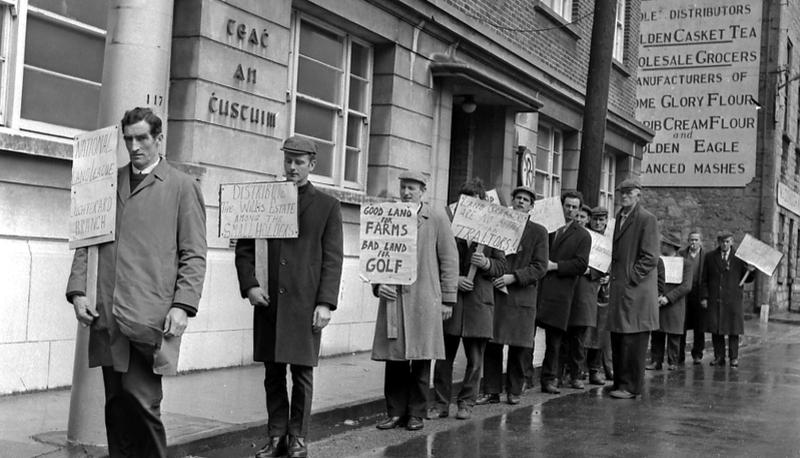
column 389, row 243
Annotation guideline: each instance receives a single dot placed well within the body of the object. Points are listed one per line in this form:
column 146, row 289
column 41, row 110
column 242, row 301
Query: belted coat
column 720, row 287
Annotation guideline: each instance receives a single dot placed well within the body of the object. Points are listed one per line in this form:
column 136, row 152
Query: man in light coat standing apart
column 149, row 280
column 633, row 305
column 421, row 308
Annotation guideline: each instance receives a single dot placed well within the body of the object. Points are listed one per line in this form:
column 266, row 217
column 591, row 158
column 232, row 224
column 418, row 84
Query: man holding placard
column 421, row 308
column 290, row 312
column 149, row 281
column 598, row 339
column 721, row 296
column 695, row 313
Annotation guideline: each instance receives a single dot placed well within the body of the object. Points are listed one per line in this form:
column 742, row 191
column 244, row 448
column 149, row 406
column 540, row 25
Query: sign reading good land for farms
column 697, row 89
column 482, row 222
column 259, row 210
column 389, row 243
column 93, row 204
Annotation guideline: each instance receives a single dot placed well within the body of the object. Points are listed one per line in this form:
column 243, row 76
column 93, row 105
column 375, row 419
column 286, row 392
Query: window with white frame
column 607, row 181
column 562, row 7
column 619, row 32
column 331, row 100
column 549, row 151
column 5, row 18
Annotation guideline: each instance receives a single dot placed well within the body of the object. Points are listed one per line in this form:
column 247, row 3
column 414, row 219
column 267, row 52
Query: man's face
column 411, row 191
column 725, row 243
column 695, row 242
column 571, row 206
column 581, row 217
column 142, row 147
column 629, row 196
column 523, row 202
column 599, row 223
column 296, row 167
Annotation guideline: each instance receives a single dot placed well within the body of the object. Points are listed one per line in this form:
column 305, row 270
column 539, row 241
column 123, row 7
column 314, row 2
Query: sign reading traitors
column 758, row 254
column 673, row 269
column 487, row 224
column 549, row 213
column 92, row 212
column 388, row 243
column 258, row 210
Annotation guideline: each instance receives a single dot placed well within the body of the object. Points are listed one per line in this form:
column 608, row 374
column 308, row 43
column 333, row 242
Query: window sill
column 557, row 19
column 35, row 144
column 349, row 196
column 620, row 67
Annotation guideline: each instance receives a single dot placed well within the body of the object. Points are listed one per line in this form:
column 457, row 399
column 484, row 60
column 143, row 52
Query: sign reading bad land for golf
column 697, row 89
column 93, row 202
column 488, row 224
column 389, row 243
column 258, row 210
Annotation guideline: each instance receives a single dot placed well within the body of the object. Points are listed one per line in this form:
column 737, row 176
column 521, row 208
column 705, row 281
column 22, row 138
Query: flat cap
column 587, row 209
column 414, row 175
column 668, row 239
column 724, row 234
column 599, row 211
column 527, row 189
column 299, row 145
column 630, row 183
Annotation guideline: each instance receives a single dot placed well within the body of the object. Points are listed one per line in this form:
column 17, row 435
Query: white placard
column 492, row 196
column 758, row 254
column 388, row 243
column 482, row 222
column 600, row 255
column 258, row 210
column 673, row 269
column 549, row 213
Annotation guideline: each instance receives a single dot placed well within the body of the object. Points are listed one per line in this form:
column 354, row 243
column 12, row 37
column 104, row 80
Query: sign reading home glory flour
column 388, row 242
column 697, row 88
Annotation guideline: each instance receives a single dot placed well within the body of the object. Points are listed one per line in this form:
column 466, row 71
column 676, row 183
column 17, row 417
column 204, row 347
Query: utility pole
column 596, row 107
column 135, row 73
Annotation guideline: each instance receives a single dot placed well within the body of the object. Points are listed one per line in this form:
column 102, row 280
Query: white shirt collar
column 148, row 169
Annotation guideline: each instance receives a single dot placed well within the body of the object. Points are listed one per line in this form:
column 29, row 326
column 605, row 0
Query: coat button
column 282, row 290
column 283, row 262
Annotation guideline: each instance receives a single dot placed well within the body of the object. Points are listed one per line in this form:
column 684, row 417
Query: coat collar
column 159, row 173
column 424, row 213
column 305, row 202
column 570, row 229
column 619, row 229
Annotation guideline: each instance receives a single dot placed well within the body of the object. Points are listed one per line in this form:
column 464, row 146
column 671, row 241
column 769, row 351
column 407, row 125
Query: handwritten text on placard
column 481, row 222
column 258, row 210
column 388, row 243
column 760, row 255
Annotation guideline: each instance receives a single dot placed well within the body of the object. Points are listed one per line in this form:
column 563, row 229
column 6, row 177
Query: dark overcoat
column 671, row 316
column 571, row 251
column 633, row 302
column 695, row 313
column 303, row 273
column 584, row 303
column 515, row 312
column 158, row 259
column 473, row 314
column 720, row 287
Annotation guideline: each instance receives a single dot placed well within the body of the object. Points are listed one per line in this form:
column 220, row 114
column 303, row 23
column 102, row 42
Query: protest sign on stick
column 549, row 213
column 600, row 254
column 758, row 254
column 673, row 269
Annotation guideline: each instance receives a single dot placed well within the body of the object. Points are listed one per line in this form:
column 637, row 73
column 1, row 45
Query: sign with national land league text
column 93, row 193
column 697, row 88
column 388, row 243
column 258, row 210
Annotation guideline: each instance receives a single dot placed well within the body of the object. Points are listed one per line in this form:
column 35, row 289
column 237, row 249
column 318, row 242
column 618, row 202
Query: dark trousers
column 283, row 418
column 405, row 387
column 572, row 354
column 698, row 345
column 528, row 357
column 658, row 340
column 133, row 408
column 718, row 340
column 629, row 354
column 552, row 346
column 599, row 360
column 493, row 369
column 443, row 371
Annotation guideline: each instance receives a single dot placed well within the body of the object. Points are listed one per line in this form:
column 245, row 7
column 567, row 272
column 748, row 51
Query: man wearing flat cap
column 633, row 303
column 671, row 311
column 598, row 339
column 721, row 295
column 303, row 289
column 421, row 307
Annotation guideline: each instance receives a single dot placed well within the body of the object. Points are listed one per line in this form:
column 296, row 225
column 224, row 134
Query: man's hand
column 257, row 297
column 662, row 300
column 504, row 280
column 480, row 261
column 552, row 266
column 704, row 303
column 604, row 280
column 750, row 267
column 84, row 312
column 322, row 316
column 176, row 322
column 465, row 284
column 388, row 292
column 447, row 312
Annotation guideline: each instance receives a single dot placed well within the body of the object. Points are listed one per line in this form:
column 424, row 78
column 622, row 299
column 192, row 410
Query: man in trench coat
column 149, row 280
column 721, row 296
column 633, row 305
column 303, row 289
column 695, row 313
column 515, row 311
column 569, row 257
column 421, row 308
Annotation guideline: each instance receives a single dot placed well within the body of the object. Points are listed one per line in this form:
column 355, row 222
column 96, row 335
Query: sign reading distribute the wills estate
column 389, row 243
column 758, row 254
column 697, row 86
column 487, row 224
column 258, row 210
column 93, row 204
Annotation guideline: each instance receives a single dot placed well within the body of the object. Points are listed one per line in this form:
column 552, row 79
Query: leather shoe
column 464, row 412
column 653, row 367
column 297, row 448
column 414, row 424
column 595, row 379
column 512, row 399
column 672, row 367
column 734, row 362
column 718, row 362
column 390, row 423
column 576, row 384
column 622, row 394
column 488, row 398
column 275, row 447
column 609, row 388
column 435, row 412
column 550, row 388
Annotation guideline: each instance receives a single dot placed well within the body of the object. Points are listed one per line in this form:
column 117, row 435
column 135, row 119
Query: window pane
column 64, row 50
column 358, row 95
column 92, row 12
column 351, row 164
column 321, row 45
column 359, row 60
column 539, row 186
column 543, row 139
column 556, row 187
column 354, row 128
column 314, row 121
column 61, row 101
column 556, row 164
column 318, row 81
column 324, row 159
column 542, row 159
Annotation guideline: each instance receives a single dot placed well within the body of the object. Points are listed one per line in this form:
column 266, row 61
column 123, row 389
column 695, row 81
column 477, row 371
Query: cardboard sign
column 388, row 243
column 600, row 255
column 612, row 222
column 673, row 269
column 492, row 196
column 484, row 223
column 258, row 210
column 549, row 213
column 93, row 203
column 758, row 254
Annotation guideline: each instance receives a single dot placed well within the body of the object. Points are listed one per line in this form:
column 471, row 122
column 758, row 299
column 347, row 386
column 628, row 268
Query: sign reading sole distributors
column 697, row 89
